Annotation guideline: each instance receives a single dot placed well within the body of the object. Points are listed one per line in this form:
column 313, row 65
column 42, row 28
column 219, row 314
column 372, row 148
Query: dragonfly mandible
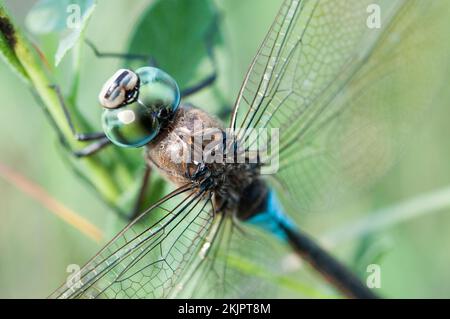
column 316, row 55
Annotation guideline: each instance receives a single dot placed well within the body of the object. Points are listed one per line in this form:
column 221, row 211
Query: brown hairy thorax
column 165, row 151
column 228, row 181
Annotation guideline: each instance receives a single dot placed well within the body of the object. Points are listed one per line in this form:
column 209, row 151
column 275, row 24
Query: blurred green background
column 36, row 246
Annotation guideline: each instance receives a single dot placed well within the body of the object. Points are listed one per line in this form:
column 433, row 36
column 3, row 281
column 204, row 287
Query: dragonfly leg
column 92, row 148
column 150, row 60
column 225, row 109
column 199, row 86
column 142, row 191
column 99, row 139
column 210, row 79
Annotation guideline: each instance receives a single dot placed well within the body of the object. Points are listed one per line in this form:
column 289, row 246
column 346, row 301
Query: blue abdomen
column 271, row 217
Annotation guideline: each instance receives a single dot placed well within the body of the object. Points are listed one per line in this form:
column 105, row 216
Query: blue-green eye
column 136, row 122
column 133, row 125
column 158, row 91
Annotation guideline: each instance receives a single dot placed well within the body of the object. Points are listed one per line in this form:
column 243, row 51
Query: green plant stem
column 40, row 82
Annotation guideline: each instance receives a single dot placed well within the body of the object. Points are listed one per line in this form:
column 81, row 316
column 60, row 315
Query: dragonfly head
column 137, row 105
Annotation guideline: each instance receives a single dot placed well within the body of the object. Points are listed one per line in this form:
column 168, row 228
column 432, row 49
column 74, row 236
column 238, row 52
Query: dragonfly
column 310, row 82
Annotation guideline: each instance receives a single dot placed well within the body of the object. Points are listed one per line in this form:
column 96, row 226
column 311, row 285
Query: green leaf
column 175, row 32
column 46, row 16
column 7, row 45
column 68, row 18
column 68, row 41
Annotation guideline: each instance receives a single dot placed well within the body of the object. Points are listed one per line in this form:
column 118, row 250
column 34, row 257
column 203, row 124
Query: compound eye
column 120, row 89
column 158, row 91
column 132, row 125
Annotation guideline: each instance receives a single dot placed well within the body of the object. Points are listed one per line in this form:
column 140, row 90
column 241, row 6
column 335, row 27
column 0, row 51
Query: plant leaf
column 174, row 32
column 68, row 18
column 46, row 16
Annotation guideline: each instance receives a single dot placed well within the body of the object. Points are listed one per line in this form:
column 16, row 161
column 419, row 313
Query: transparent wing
column 191, row 251
column 240, row 263
column 147, row 263
column 342, row 94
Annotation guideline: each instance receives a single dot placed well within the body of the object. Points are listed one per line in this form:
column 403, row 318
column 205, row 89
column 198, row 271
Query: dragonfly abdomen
column 259, row 206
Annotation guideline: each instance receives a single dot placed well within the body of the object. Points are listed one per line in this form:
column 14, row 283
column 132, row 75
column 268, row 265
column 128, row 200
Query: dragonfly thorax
column 182, row 153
